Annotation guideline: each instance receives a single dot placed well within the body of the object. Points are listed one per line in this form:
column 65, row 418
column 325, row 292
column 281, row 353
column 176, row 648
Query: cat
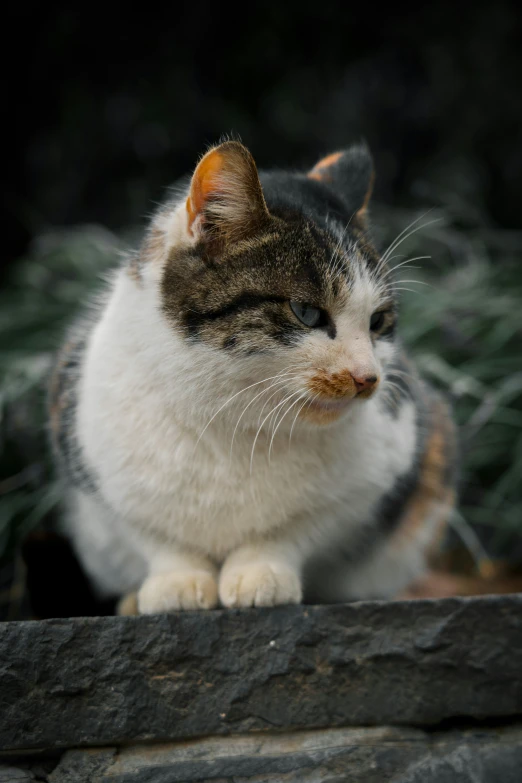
column 236, row 423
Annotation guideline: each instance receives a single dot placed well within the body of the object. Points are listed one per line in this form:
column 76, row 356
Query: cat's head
column 274, row 276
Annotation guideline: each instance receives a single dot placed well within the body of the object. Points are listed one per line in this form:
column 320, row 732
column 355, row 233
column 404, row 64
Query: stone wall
column 405, row 691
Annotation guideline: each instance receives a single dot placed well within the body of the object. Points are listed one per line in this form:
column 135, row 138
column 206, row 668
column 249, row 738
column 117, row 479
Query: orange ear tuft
column 350, row 174
column 320, row 170
column 205, row 182
column 225, row 194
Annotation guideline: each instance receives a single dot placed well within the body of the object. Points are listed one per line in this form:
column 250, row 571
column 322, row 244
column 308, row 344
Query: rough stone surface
column 370, row 755
column 80, row 682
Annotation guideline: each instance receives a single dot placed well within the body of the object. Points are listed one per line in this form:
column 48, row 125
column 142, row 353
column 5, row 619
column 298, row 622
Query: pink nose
column 364, row 383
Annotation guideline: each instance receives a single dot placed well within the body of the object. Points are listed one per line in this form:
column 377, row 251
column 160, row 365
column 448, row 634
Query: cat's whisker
column 340, row 269
column 286, row 412
column 405, row 234
column 405, row 264
column 230, row 400
column 275, row 420
column 332, row 257
column 398, row 374
column 260, row 394
column 388, row 382
column 393, row 393
column 383, row 278
column 337, row 250
column 395, row 285
column 408, row 235
column 265, row 404
column 280, row 381
column 375, row 273
column 308, row 401
column 419, row 282
column 390, row 386
column 272, row 421
column 393, row 245
column 399, row 255
column 261, row 427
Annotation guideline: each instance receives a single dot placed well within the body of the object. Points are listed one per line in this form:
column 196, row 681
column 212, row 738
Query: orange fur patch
column 319, row 171
column 337, row 384
column 204, row 183
column 432, row 488
column 434, row 548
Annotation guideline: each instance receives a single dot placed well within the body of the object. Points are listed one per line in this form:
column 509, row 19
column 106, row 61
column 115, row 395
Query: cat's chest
column 212, row 492
column 224, row 498
column 224, row 495
column 250, row 486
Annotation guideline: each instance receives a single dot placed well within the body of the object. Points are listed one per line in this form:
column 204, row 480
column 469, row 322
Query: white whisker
column 261, row 427
column 409, row 234
column 267, row 402
column 260, row 394
column 393, row 244
column 336, row 255
column 307, row 401
column 301, row 394
column 403, row 263
column 419, row 282
column 230, row 400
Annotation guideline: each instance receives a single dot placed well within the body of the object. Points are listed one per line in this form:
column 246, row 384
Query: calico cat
column 238, row 423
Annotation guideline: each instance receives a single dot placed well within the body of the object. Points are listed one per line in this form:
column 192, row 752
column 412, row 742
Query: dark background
column 106, row 107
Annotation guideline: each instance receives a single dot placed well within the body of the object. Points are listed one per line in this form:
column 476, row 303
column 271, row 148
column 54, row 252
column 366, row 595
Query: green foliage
column 463, row 323
column 464, row 327
column 35, row 308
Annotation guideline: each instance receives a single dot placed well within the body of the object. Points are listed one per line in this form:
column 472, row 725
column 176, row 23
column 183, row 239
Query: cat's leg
column 119, row 559
column 262, row 574
column 178, row 579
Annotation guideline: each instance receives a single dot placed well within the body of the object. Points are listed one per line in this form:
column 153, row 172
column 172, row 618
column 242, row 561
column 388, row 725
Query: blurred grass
column 464, row 328
column 42, row 296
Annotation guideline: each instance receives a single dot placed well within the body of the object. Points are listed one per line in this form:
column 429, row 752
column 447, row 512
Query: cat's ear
column 350, row 173
column 225, row 201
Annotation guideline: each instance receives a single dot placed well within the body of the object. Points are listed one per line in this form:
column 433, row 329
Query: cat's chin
column 325, row 412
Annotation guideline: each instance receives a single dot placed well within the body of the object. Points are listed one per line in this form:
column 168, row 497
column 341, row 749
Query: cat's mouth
column 323, row 411
column 330, row 405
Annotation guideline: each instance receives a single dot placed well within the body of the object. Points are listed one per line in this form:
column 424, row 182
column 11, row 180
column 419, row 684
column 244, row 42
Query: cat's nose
column 364, row 382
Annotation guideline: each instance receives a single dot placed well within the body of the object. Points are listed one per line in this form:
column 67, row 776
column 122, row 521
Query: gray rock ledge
column 107, row 681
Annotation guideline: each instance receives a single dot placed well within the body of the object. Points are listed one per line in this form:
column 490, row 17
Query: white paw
column 259, row 584
column 172, row 591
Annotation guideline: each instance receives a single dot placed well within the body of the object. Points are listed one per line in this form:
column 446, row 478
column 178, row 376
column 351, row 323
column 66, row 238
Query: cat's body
column 181, row 482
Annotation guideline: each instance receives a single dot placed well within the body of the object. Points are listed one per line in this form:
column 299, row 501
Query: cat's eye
column 377, row 321
column 309, row 315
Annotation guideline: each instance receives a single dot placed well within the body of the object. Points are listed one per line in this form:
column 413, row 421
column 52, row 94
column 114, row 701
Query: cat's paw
column 259, row 584
column 127, row 606
column 172, row 591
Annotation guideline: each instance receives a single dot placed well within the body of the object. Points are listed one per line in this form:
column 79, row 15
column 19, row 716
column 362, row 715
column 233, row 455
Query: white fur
column 183, row 513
